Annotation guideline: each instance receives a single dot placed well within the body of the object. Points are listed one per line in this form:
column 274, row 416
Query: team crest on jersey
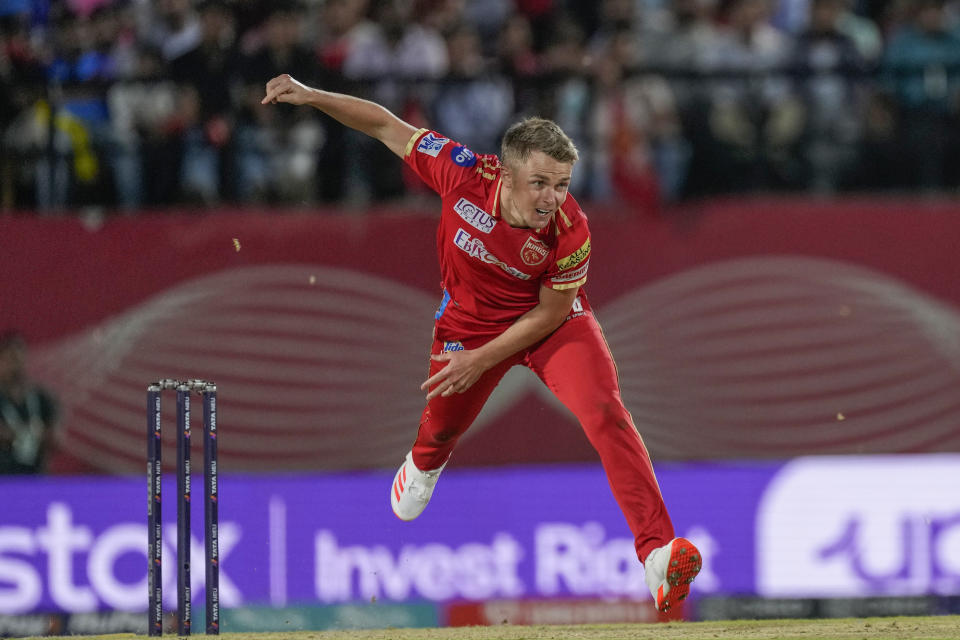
column 534, row 251
column 431, row 144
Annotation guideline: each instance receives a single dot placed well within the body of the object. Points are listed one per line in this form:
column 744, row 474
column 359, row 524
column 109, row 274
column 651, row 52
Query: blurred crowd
column 133, row 104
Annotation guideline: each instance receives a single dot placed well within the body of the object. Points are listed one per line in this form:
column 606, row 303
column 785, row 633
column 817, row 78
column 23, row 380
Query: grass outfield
column 901, row 628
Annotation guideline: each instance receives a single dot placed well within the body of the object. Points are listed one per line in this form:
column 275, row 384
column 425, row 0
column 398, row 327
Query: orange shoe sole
column 684, row 565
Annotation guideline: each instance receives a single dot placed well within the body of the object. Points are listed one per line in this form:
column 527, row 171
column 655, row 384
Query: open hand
column 462, row 370
column 284, row 88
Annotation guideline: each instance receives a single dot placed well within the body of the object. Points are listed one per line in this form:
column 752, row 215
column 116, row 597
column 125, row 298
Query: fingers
column 452, row 389
column 431, row 381
column 456, row 377
column 437, row 382
column 447, row 388
column 441, row 383
column 270, row 90
column 275, row 87
column 272, row 95
column 436, row 392
column 435, row 378
column 440, row 375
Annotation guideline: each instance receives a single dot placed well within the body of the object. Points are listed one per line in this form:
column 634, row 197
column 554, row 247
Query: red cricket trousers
column 575, row 364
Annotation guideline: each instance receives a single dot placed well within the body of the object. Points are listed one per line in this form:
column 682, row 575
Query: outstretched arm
column 364, row 116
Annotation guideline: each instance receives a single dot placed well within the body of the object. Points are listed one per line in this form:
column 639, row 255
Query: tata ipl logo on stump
column 860, row 526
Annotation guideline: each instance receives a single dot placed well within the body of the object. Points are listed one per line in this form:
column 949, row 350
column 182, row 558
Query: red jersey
column 492, row 272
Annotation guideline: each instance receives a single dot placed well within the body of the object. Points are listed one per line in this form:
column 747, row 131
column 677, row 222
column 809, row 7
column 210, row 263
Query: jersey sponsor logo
column 576, row 310
column 431, row 144
column 475, row 216
column 475, row 248
column 452, row 346
column 534, row 251
column 462, row 156
column 576, row 257
column 572, row 276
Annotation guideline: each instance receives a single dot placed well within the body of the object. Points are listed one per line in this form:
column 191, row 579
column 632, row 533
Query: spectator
column 343, row 25
column 615, row 16
column 487, row 17
column 399, row 49
column 542, row 17
column 398, row 46
column 91, row 51
column 171, row 25
column 791, row 15
column 118, row 31
column 683, row 48
column 515, row 53
column 863, row 32
column 921, row 68
column 72, row 119
column 86, row 111
column 755, row 122
column 277, row 149
column 472, row 105
column 82, row 51
column 565, row 51
column 564, row 89
column 518, row 62
column 640, row 155
column 7, row 113
column 687, row 40
column 147, row 133
column 204, row 74
column 794, row 16
column 21, row 82
column 28, row 413
column 830, row 66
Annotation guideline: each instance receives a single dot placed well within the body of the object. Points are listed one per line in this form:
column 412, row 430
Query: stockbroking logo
column 65, row 565
column 861, row 527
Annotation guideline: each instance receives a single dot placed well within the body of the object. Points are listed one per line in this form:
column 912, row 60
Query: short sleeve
column 573, row 250
column 440, row 162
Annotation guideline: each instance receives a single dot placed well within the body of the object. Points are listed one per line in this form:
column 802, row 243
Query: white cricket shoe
column 412, row 489
column 669, row 570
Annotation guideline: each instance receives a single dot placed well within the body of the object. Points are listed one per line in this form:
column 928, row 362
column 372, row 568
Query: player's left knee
column 611, row 413
column 443, row 436
column 612, row 409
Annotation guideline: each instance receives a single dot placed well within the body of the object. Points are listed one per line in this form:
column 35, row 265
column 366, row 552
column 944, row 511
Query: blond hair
column 536, row 134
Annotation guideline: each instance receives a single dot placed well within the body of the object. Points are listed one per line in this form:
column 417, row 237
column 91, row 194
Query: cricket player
column 514, row 250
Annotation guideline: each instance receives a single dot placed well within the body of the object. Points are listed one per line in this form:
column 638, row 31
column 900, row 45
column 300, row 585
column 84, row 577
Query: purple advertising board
column 78, row 544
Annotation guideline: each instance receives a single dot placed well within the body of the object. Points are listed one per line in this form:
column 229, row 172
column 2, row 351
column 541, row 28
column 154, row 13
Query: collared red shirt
column 492, row 272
